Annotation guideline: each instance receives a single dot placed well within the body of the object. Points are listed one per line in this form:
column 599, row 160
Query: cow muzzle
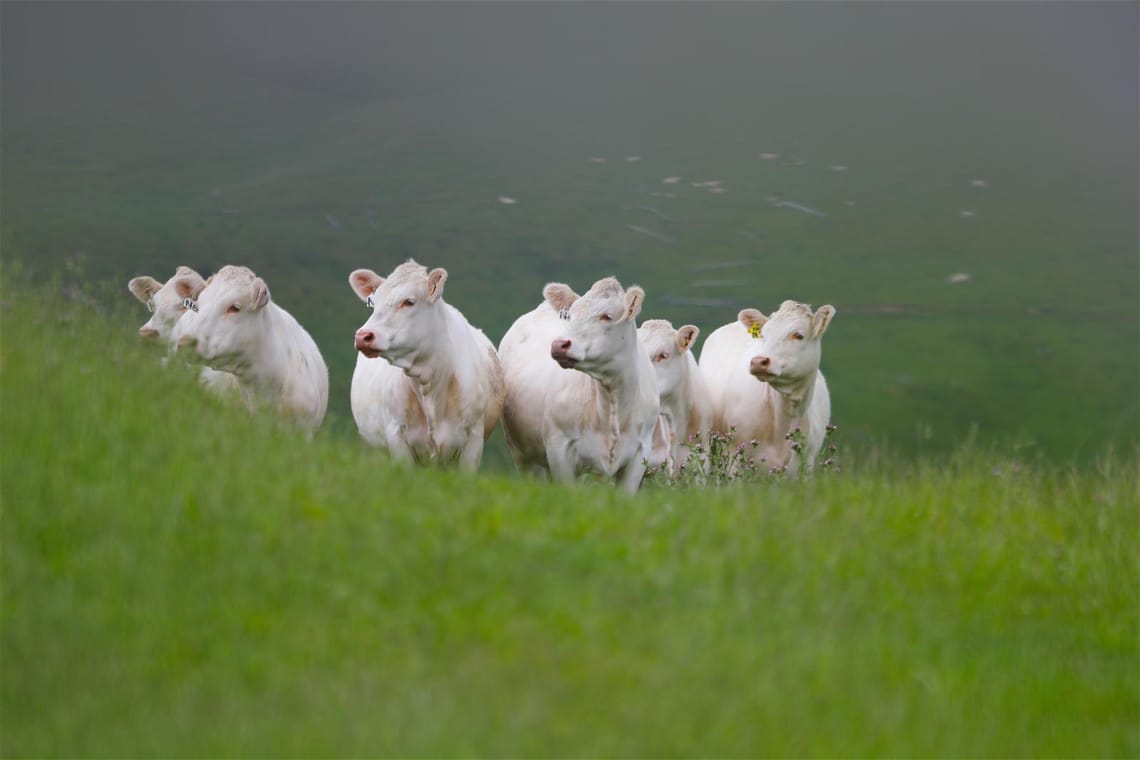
column 366, row 343
column 761, row 367
column 560, row 352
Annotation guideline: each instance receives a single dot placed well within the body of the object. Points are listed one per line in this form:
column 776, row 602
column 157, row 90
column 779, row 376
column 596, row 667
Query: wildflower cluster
column 829, row 464
column 719, row 461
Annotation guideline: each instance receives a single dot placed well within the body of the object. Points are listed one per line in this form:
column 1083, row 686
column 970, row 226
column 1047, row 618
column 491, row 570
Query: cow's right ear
column 559, row 296
column 752, row 320
column 144, row 288
column 189, row 286
column 364, row 283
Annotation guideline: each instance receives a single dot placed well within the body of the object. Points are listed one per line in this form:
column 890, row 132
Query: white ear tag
column 190, row 304
column 369, row 303
column 150, row 305
column 564, row 314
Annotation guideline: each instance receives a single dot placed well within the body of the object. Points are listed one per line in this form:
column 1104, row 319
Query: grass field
column 180, row 579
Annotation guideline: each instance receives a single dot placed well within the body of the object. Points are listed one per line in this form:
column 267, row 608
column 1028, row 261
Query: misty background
column 309, row 139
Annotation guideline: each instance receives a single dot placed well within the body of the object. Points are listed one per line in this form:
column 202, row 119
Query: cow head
column 165, row 301
column 599, row 326
column 225, row 323
column 785, row 349
column 667, row 349
column 406, row 309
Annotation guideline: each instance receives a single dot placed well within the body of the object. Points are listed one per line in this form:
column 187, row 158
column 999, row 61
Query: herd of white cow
column 576, row 384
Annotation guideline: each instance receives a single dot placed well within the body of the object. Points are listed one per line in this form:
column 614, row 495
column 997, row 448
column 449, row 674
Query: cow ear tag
column 190, row 304
column 369, row 303
column 754, row 330
column 564, row 314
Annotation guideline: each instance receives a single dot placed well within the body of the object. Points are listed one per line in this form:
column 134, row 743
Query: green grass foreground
column 180, row 579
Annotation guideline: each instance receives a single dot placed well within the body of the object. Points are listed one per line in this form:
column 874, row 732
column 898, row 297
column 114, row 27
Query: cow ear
column 144, row 287
column 686, row 337
column 189, row 285
column 365, row 282
column 559, row 296
column 821, row 319
column 752, row 320
column 634, row 298
column 436, row 279
column 260, row 293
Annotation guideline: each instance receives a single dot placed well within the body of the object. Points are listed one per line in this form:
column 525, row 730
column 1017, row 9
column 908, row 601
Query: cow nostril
column 365, row 337
column 561, row 345
column 760, row 364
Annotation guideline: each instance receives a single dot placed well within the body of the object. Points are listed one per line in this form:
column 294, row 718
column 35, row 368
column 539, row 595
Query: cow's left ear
column 634, row 298
column 686, row 337
column 436, row 278
column 821, row 319
column 189, row 285
column 259, row 293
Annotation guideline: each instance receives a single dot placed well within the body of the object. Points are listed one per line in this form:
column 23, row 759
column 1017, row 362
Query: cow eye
column 605, row 318
column 662, row 356
column 234, row 309
column 797, row 336
column 408, row 302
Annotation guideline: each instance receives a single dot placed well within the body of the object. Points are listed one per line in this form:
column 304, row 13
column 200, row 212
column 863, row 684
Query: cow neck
column 433, row 370
column 264, row 373
column 676, row 406
column 791, row 405
column 619, row 390
column 422, row 363
column 618, row 396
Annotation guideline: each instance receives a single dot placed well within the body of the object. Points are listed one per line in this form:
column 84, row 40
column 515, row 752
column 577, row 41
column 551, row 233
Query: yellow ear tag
column 754, row 329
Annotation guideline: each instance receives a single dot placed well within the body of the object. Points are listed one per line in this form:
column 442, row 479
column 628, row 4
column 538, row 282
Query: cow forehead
column 791, row 316
column 602, row 295
column 657, row 332
column 234, row 273
column 229, row 280
column 408, row 273
column 167, row 295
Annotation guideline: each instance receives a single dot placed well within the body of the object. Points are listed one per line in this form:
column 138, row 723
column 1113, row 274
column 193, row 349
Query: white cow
column 235, row 327
column 167, row 302
column 427, row 385
column 599, row 418
column 765, row 381
column 686, row 403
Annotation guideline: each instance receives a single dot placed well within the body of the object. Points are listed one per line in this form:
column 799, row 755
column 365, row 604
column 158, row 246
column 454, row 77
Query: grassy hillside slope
column 180, row 579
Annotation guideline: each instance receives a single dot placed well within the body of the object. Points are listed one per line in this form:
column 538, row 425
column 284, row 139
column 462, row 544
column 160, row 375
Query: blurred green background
column 994, row 140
